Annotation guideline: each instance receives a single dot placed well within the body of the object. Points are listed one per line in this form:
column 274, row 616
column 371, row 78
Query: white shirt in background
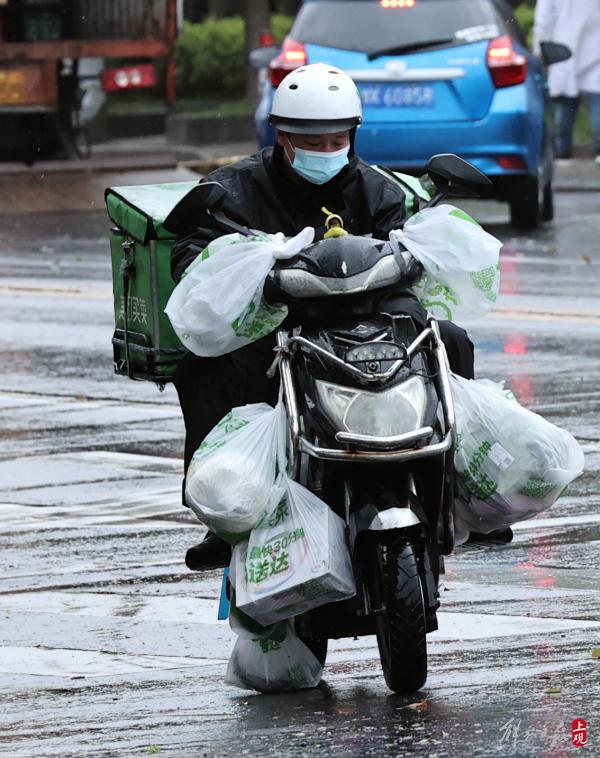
column 575, row 23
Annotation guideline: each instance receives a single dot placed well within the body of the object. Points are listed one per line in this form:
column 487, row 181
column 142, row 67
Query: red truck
column 44, row 46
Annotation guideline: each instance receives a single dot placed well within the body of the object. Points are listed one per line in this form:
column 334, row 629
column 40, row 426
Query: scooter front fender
column 393, row 518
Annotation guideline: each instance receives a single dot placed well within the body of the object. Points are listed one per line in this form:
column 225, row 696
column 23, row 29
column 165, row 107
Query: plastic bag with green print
column 218, row 305
column 230, row 479
column 460, row 259
column 272, row 665
column 296, row 558
column 266, row 658
column 511, row 463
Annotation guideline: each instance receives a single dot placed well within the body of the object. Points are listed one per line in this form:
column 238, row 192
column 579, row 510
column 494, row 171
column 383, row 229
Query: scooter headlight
column 398, row 410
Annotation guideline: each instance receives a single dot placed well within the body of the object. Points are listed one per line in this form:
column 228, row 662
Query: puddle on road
column 553, row 523
column 156, row 514
column 77, row 468
column 37, row 661
column 186, row 610
column 475, row 626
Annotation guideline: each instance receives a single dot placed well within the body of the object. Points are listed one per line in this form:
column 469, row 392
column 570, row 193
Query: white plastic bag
column 296, row 558
column 240, row 622
column 461, row 262
column 268, row 665
column 513, row 462
column 230, row 480
column 218, row 305
column 483, row 516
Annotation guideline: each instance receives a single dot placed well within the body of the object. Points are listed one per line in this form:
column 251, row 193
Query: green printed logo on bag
column 231, row 423
column 272, row 557
column 537, row 488
column 485, row 280
column 254, row 238
column 268, row 646
column 274, row 546
column 255, row 323
column 436, row 295
column 298, row 676
column 441, row 290
column 476, row 480
column 257, row 571
column 206, row 446
column 278, row 516
column 228, row 425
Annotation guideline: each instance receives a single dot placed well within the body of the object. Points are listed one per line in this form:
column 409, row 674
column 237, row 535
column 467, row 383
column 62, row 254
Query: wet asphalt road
column 110, row 647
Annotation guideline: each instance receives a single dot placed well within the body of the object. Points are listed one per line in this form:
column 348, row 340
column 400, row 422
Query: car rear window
column 368, row 25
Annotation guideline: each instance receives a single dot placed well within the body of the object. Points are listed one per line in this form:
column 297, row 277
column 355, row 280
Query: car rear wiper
column 412, row 47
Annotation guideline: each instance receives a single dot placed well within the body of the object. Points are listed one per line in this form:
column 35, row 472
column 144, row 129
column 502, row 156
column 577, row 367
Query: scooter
column 371, row 428
column 372, row 431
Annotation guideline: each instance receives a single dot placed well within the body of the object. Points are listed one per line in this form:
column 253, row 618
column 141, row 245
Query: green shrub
column 211, row 56
column 524, row 15
column 280, row 26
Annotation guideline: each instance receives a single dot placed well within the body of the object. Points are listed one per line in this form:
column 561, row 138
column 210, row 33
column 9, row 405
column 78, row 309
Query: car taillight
column 129, row 77
column 266, row 39
column 292, row 55
column 512, row 162
column 507, row 67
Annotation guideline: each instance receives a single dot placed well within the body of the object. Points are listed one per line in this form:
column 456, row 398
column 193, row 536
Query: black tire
column 402, row 628
column 526, row 203
column 548, row 203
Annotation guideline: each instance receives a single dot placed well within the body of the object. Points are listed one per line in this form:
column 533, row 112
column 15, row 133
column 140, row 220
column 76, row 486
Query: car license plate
column 397, row 95
column 12, row 87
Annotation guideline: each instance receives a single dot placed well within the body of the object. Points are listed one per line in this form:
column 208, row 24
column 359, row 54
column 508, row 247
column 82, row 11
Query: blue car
column 435, row 76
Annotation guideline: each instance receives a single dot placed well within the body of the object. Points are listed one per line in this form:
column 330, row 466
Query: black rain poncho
column 263, row 194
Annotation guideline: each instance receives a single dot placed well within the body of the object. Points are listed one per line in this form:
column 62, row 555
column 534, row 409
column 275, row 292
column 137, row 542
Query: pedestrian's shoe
column 497, row 537
column 211, row 553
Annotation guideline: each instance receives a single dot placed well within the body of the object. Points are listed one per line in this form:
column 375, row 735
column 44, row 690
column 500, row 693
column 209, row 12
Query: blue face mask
column 317, row 167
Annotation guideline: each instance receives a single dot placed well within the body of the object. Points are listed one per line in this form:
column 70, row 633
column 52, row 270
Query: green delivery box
column 144, row 343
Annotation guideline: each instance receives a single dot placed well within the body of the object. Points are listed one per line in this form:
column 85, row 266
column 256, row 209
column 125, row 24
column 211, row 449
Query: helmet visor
column 313, row 126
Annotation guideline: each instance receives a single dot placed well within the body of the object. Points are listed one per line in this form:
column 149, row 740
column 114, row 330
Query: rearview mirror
column 454, row 177
column 260, row 57
column 554, row 52
column 205, row 197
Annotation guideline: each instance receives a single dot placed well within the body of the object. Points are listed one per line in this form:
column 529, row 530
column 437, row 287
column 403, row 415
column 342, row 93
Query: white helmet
column 316, row 99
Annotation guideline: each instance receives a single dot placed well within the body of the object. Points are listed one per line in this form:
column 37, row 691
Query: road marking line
column 514, row 314
column 79, row 293
column 498, row 313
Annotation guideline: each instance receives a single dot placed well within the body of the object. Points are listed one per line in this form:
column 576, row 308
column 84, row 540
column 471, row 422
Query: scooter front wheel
column 401, row 626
